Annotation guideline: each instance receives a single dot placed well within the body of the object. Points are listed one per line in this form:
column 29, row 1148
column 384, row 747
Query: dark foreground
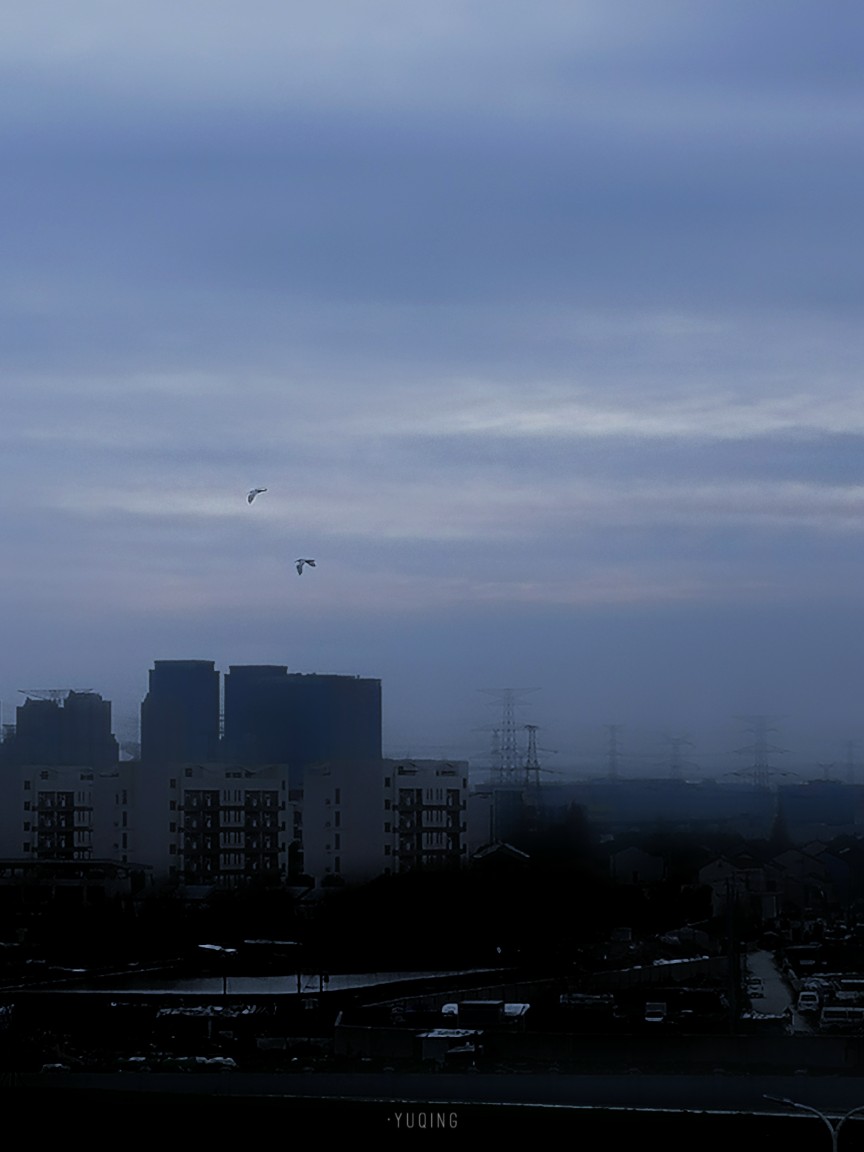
column 707, row 1109
column 218, row 1117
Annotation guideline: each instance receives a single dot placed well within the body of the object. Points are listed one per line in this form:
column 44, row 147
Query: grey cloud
column 543, row 332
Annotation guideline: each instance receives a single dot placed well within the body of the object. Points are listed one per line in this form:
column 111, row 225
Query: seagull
column 255, row 492
column 300, row 564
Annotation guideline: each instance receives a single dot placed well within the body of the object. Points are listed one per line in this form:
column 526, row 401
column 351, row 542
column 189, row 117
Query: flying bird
column 300, row 564
column 255, row 492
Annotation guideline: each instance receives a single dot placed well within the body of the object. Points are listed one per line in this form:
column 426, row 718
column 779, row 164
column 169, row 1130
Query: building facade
column 74, row 730
column 363, row 819
column 276, row 717
column 180, row 713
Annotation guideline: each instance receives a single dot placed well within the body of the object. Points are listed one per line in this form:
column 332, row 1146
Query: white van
column 809, row 1001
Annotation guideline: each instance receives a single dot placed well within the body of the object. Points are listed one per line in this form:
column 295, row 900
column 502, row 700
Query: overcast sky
column 541, row 324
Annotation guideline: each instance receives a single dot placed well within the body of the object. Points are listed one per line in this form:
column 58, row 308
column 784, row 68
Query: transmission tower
column 532, row 764
column 761, row 770
column 676, row 763
column 850, row 761
column 506, row 766
column 613, row 750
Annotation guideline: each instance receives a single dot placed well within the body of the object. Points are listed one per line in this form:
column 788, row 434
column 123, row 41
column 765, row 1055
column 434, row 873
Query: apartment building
column 365, row 818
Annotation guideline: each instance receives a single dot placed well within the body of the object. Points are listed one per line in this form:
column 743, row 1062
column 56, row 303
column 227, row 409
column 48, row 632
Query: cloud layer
column 539, row 326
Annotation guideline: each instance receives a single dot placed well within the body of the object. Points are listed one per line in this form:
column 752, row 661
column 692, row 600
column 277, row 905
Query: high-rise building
column 276, row 717
column 257, row 727
column 38, row 735
column 74, row 732
column 180, row 713
column 87, row 731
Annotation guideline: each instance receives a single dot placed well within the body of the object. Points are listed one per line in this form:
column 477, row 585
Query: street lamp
column 224, row 953
column 834, row 1130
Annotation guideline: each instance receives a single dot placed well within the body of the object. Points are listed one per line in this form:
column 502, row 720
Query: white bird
column 255, row 492
column 300, row 564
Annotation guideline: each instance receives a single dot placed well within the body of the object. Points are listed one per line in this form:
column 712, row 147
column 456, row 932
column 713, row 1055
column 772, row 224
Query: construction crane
column 55, row 694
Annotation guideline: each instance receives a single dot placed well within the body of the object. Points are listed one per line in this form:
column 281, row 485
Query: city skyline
column 543, row 337
column 747, row 748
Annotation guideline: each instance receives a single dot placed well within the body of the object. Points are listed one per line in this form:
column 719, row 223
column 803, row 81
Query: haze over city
column 543, row 334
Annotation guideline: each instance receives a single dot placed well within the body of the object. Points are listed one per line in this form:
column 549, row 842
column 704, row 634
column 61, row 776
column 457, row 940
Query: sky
column 541, row 324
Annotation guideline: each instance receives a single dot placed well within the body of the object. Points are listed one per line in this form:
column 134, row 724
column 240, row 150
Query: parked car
column 809, row 1001
column 655, row 1012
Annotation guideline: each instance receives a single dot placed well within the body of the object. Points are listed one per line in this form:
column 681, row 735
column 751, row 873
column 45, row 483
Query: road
column 779, row 997
column 720, row 1092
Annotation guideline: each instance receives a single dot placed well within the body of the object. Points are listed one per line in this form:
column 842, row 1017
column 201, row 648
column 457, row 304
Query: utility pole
column 833, row 1128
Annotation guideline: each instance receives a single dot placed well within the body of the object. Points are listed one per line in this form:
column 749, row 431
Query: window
column 172, row 783
column 338, row 796
column 26, row 785
column 387, row 826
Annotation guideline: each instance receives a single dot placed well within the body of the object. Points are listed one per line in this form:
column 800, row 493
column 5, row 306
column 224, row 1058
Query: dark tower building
column 180, row 713
column 38, row 732
column 276, row 717
column 78, row 732
column 87, row 736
